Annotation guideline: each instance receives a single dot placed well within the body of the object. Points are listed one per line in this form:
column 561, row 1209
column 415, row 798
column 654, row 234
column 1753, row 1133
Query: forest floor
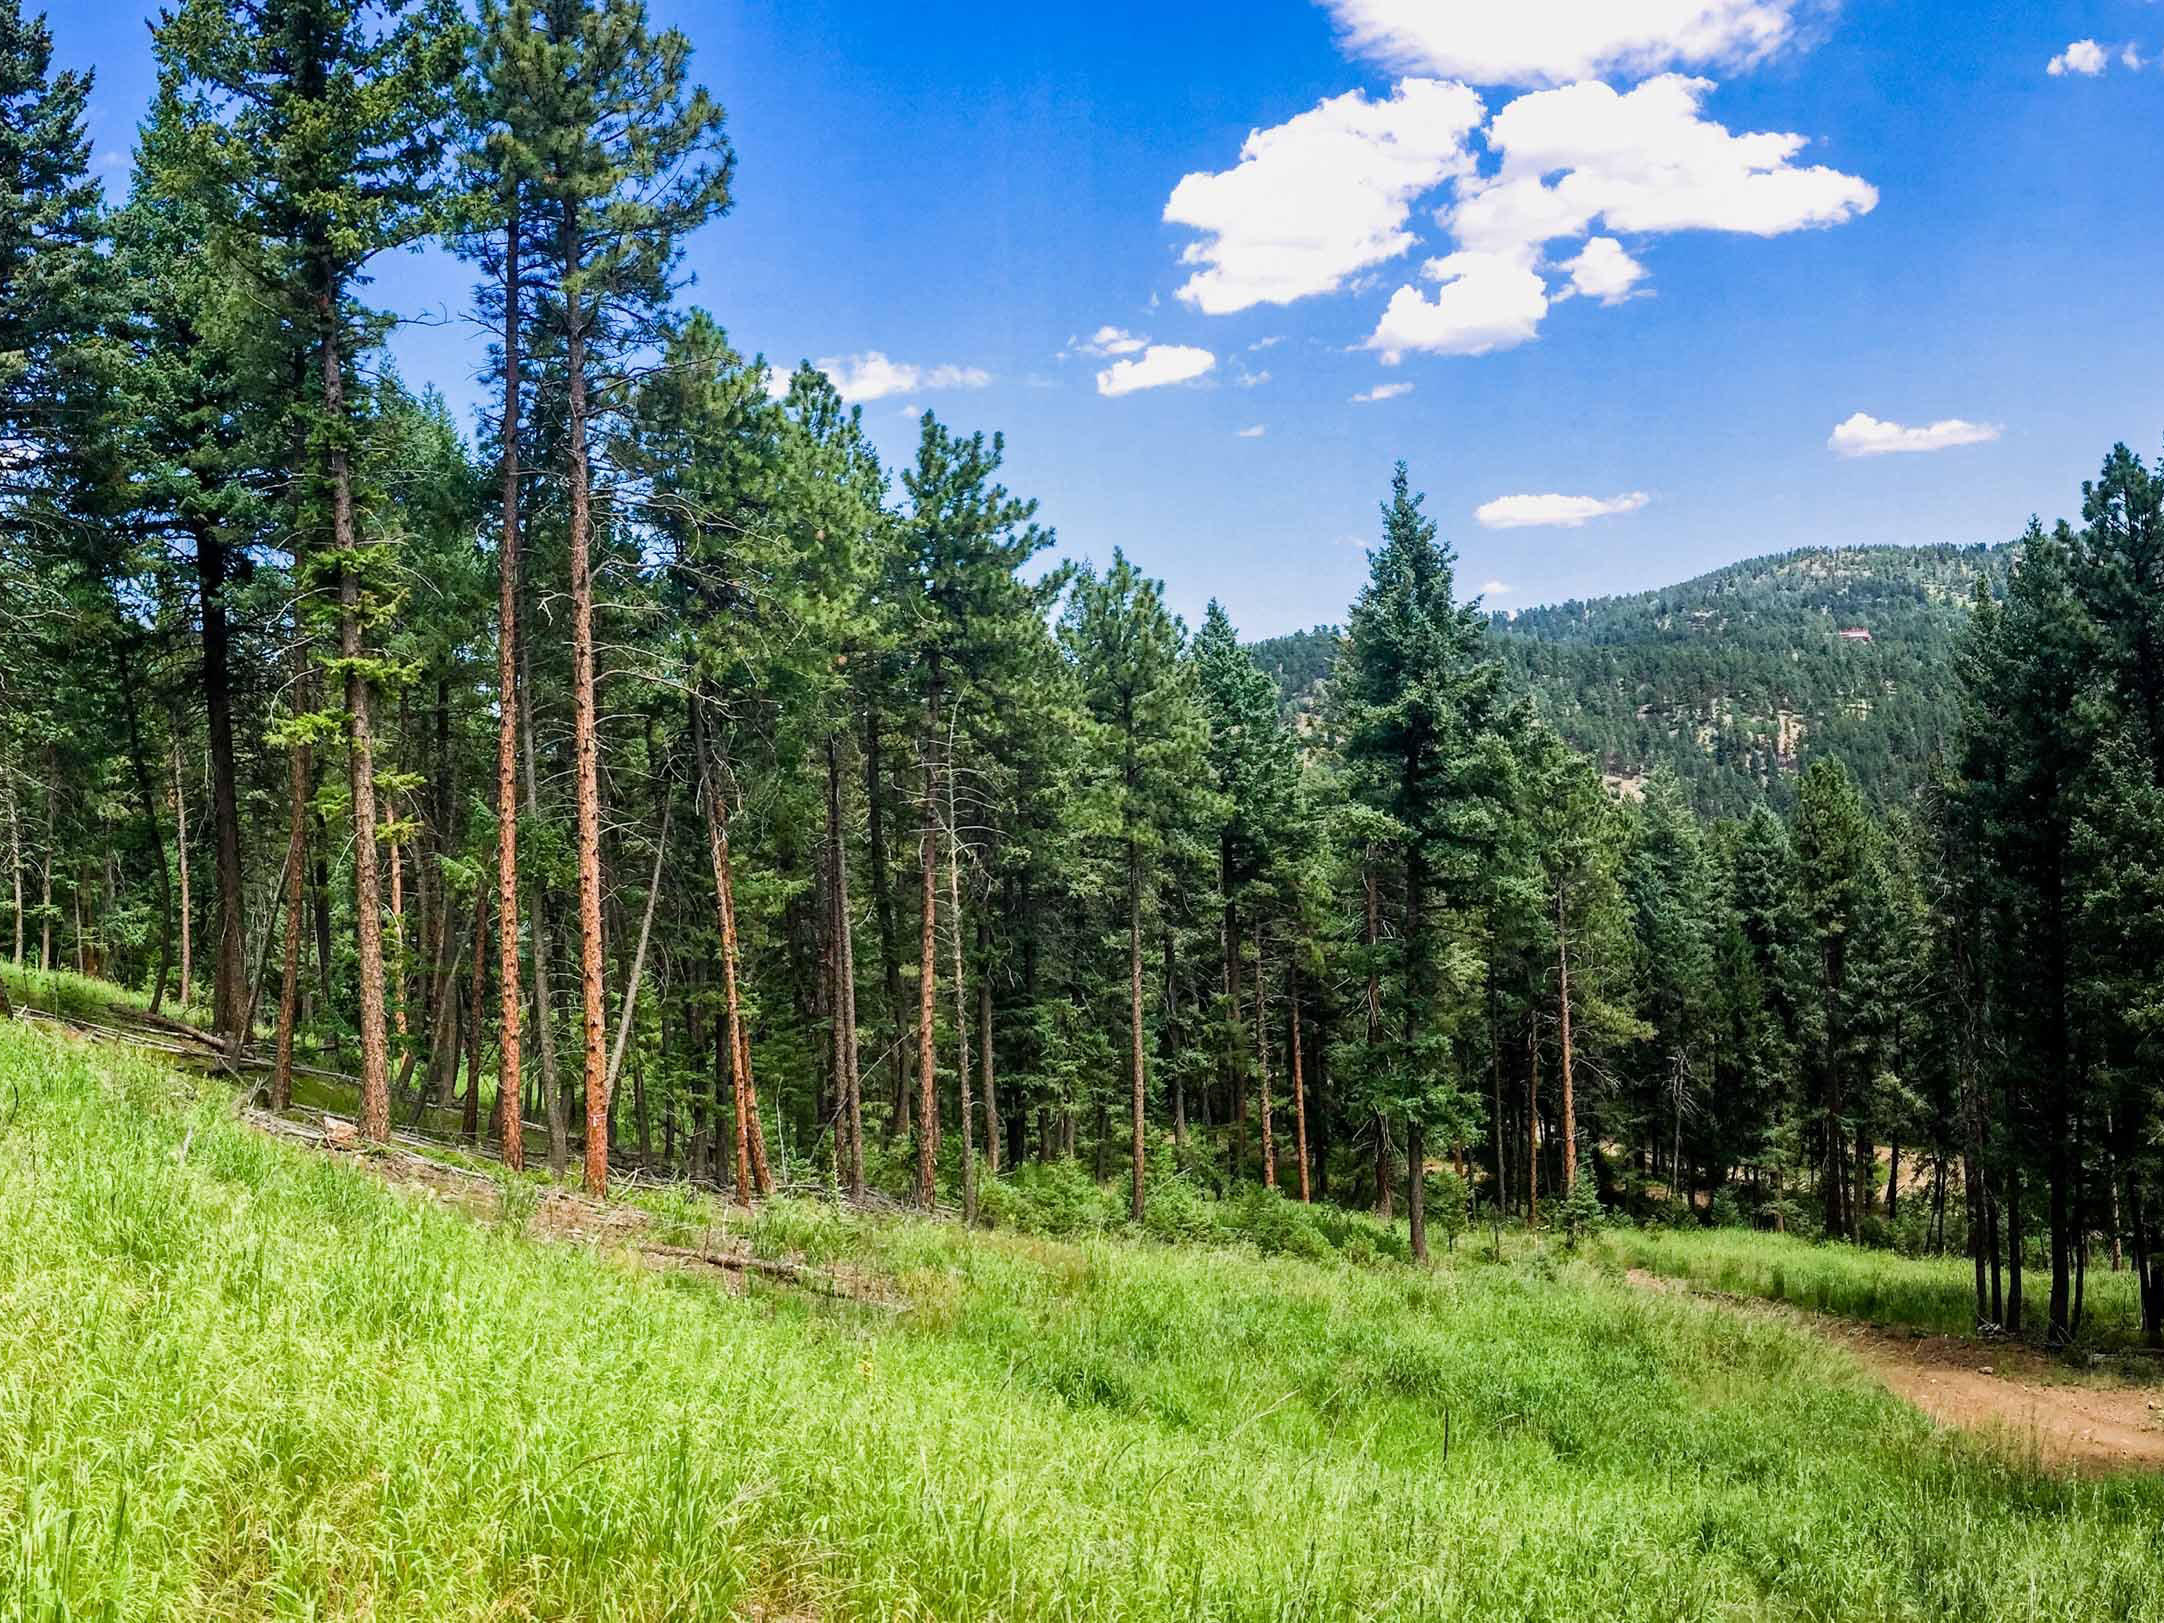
column 2022, row 1399
column 247, row 1371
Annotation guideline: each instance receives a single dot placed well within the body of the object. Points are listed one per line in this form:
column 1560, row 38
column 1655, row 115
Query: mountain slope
column 1740, row 677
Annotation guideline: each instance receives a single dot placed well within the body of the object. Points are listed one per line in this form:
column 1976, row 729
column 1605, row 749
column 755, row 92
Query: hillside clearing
column 241, row 1381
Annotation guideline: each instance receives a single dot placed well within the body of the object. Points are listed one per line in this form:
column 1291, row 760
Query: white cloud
column 1266, row 343
column 1604, row 271
column 1381, row 391
column 1643, row 161
column 2084, row 57
column 1553, row 511
column 1255, row 433
column 1486, row 302
column 1108, row 340
column 1322, row 196
column 1496, row 588
column 1865, row 435
column 1157, row 366
column 871, row 376
column 1548, row 42
column 2131, row 58
column 1252, row 380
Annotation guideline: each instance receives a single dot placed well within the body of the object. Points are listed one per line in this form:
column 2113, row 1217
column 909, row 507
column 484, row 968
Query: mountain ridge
column 1737, row 678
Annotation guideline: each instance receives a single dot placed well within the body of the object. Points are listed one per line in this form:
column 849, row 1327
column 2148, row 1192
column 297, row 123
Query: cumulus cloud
column 1642, row 161
column 1549, row 42
column 2084, row 57
column 1485, row 302
column 1155, row 367
column 1552, row 511
column 1865, row 435
column 872, row 376
column 1495, row 588
column 1645, row 162
column 1108, row 341
column 1603, row 271
column 1254, row 433
column 1381, row 391
column 1321, row 197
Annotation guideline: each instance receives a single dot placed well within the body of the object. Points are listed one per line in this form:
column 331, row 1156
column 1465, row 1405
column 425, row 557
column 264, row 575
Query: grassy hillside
column 1737, row 679
column 238, row 1379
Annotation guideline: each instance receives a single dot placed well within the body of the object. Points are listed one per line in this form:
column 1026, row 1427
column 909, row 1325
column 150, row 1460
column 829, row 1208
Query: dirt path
column 2002, row 1389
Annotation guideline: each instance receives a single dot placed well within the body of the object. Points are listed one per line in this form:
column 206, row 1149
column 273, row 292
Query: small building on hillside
column 1854, row 634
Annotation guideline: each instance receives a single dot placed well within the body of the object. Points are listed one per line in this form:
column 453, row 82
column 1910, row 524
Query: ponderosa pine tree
column 629, row 159
column 312, row 133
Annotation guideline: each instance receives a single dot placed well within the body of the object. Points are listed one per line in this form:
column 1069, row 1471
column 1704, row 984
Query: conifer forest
column 639, row 799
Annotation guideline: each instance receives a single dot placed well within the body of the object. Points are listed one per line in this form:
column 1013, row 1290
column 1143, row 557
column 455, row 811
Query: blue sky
column 1954, row 254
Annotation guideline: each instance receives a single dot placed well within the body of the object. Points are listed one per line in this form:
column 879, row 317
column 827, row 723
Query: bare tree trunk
column 1262, row 1055
column 927, row 984
column 15, row 857
column 1299, row 1087
column 476, row 1024
column 638, row 957
column 300, row 774
column 1138, row 1080
column 890, row 952
column 148, row 794
column 961, row 1006
column 851, row 1081
column 1570, row 1101
column 510, row 1088
column 586, row 744
column 230, row 964
column 360, row 749
column 749, row 1176
column 45, row 869
column 180, row 853
column 992, row 1127
column 1532, row 1124
column 544, row 943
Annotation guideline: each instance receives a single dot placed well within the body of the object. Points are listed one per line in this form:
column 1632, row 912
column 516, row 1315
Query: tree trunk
column 1262, row 1057
column 360, row 747
column 717, row 843
column 586, row 746
column 147, row 792
column 1416, row 1186
column 1570, row 1097
column 890, row 952
column 544, row 943
column 180, row 857
column 300, row 774
column 1138, row 1081
column 231, row 958
column 510, row 1087
column 927, row 981
column 966, row 1110
column 476, row 1025
column 1299, row 1086
column 848, row 1062
column 638, row 956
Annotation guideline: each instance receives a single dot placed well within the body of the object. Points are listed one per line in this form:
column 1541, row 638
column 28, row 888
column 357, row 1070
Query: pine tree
column 1418, row 704
column 312, row 133
column 630, row 160
column 1148, row 730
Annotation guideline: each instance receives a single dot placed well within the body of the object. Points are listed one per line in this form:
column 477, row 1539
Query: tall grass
column 238, row 1380
column 1924, row 1293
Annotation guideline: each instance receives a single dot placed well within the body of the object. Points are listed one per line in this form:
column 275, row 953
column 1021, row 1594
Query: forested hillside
column 1738, row 679
column 645, row 772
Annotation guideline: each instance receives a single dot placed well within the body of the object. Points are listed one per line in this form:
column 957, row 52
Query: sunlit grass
column 1925, row 1293
column 240, row 1380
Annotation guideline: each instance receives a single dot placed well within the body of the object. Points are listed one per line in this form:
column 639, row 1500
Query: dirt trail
column 2001, row 1389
